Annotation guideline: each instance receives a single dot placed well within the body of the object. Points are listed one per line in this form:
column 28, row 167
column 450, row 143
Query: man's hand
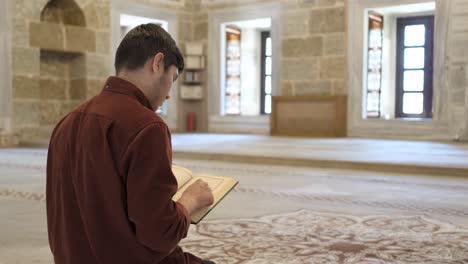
column 196, row 196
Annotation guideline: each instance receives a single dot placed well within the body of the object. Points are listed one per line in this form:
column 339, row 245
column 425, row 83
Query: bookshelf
column 192, row 86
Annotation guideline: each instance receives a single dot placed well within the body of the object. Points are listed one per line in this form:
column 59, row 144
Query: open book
column 220, row 186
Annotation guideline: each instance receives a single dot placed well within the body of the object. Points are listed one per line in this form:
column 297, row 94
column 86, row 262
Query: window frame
column 263, row 37
column 428, row 22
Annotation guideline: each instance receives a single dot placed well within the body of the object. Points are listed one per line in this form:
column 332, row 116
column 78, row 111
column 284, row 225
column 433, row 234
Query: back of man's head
column 144, row 42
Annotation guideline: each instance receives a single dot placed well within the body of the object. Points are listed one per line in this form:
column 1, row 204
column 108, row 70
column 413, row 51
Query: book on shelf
column 220, row 186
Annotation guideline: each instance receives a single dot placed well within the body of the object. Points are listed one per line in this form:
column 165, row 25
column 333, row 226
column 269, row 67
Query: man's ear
column 158, row 62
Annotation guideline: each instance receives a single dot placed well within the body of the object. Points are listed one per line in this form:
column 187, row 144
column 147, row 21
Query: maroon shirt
column 110, row 184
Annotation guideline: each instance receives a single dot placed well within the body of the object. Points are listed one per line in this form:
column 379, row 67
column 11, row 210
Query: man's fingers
column 203, row 183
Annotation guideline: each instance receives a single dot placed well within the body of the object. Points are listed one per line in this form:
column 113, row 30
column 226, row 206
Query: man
column 109, row 178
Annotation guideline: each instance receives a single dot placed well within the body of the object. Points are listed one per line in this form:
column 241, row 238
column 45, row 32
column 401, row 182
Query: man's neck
column 136, row 79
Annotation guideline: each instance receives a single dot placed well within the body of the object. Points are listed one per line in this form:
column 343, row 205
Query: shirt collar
column 118, row 85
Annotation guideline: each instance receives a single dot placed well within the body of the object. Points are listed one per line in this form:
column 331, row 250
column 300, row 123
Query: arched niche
column 63, row 12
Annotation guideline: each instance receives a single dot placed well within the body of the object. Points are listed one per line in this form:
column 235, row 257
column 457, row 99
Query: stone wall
column 188, row 14
column 55, row 65
column 313, row 43
column 313, row 47
column 195, row 29
column 47, row 83
column 5, row 69
column 457, row 66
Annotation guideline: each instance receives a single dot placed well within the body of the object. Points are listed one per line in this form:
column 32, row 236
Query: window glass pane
column 413, row 103
column 373, row 101
column 233, row 67
column 413, row 81
column 415, row 35
column 414, row 58
column 268, row 66
column 268, row 85
column 233, row 85
column 375, row 59
column 232, row 104
column 268, row 104
column 373, row 81
column 375, row 38
column 159, row 111
column 268, row 47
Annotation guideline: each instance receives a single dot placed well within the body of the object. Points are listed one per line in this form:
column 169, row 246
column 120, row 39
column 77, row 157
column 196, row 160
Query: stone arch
column 63, row 12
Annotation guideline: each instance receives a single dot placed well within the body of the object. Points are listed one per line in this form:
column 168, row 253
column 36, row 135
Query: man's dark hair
column 144, row 42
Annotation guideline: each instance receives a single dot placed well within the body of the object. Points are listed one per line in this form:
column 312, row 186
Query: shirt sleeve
column 159, row 222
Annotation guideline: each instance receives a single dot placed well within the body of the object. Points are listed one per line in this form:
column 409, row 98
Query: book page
column 219, row 185
column 182, row 175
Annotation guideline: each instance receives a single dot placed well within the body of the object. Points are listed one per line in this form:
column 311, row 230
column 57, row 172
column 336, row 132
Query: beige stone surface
column 77, row 67
column 50, row 112
column 20, row 34
column 68, row 106
column 28, row 133
column 53, row 89
column 200, row 31
column 91, row 15
column 54, row 65
column 25, row 87
column 79, row 39
column 47, row 36
column 8, row 140
column 28, row 9
column 26, row 113
column 214, row 4
column 306, row 3
column 458, row 84
column 78, row 89
column 287, row 88
column 103, row 10
column 300, row 69
column 25, row 61
column 313, row 88
column 97, row 66
column 201, row 15
column 339, row 87
column 457, row 46
column 327, row 20
column 186, row 31
column 332, row 67
column 94, row 87
column 103, row 42
column 295, row 23
column 63, row 12
column 302, row 47
column 326, row 3
column 334, row 44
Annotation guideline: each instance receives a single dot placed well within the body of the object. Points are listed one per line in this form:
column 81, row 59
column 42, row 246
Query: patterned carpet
column 346, row 217
column 310, row 237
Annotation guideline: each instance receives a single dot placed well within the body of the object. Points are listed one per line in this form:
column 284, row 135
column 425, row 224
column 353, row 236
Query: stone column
column 464, row 136
column 5, row 65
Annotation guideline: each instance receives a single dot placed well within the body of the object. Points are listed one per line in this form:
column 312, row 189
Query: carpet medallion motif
column 310, row 237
